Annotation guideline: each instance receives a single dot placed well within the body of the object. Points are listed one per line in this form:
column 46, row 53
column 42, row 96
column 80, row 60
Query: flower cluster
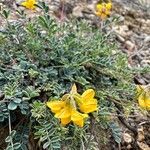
column 29, row 4
column 103, row 9
column 143, row 96
column 74, row 107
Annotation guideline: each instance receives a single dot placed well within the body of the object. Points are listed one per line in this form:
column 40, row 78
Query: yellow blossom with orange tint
column 69, row 108
column 66, row 113
column 103, row 10
column 143, row 96
column 74, row 107
column 29, row 4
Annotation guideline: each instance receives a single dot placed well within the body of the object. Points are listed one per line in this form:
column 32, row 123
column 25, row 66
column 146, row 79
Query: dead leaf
column 143, row 146
column 141, row 136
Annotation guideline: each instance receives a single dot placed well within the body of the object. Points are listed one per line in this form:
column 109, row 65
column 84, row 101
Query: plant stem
column 10, row 131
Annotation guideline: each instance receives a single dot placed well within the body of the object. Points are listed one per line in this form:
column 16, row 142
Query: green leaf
column 13, row 132
column 116, row 131
column 56, row 146
column 8, row 139
column 46, row 145
column 17, row 100
column 12, row 106
column 6, row 13
column 17, row 145
column 43, row 22
column 9, row 148
column 33, row 73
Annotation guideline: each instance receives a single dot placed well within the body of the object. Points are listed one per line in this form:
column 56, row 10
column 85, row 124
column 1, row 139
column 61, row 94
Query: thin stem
column 10, row 131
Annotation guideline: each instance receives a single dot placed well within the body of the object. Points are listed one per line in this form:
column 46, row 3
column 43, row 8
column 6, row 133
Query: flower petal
column 99, row 6
column 109, row 6
column 78, row 118
column 30, row 4
column 144, row 101
column 65, row 121
column 24, row 4
column 88, row 108
column 88, row 94
column 64, row 113
column 55, row 106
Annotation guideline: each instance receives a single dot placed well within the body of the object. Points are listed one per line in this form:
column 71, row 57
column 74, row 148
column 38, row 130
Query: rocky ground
column 132, row 34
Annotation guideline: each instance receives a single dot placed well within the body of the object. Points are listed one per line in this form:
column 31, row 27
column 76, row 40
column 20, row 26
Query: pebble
column 130, row 46
column 77, row 11
column 120, row 38
column 127, row 138
column 147, row 39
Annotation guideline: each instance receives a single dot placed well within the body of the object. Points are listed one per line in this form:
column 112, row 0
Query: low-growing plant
column 40, row 60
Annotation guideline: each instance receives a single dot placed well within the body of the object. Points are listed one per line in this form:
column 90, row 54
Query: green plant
column 40, row 60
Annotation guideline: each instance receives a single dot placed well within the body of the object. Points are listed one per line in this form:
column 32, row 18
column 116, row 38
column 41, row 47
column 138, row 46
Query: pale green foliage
column 41, row 59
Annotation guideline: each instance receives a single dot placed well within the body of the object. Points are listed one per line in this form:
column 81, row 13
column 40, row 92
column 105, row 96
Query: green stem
column 10, row 131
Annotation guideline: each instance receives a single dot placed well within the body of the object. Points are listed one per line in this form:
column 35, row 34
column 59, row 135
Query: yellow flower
column 143, row 97
column 88, row 102
column 30, row 4
column 103, row 10
column 66, row 113
column 67, row 109
column 78, row 118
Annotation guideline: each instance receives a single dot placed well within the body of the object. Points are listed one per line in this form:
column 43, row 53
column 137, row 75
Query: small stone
column 127, row 138
column 141, row 136
column 129, row 147
column 120, row 38
column 77, row 11
column 124, row 28
column 143, row 146
column 130, row 46
column 147, row 39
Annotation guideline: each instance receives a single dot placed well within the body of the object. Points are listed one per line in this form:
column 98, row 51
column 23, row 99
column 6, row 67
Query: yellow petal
column 24, row 4
column 90, row 103
column 103, row 16
column 56, row 106
column 64, row 113
column 88, row 94
column 75, row 115
column 143, row 94
column 30, row 4
column 144, row 101
column 99, row 6
column 65, row 121
column 88, row 108
column 98, row 13
column 107, row 13
column 79, row 123
column 147, row 101
column 78, row 118
column 73, row 89
column 109, row 6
